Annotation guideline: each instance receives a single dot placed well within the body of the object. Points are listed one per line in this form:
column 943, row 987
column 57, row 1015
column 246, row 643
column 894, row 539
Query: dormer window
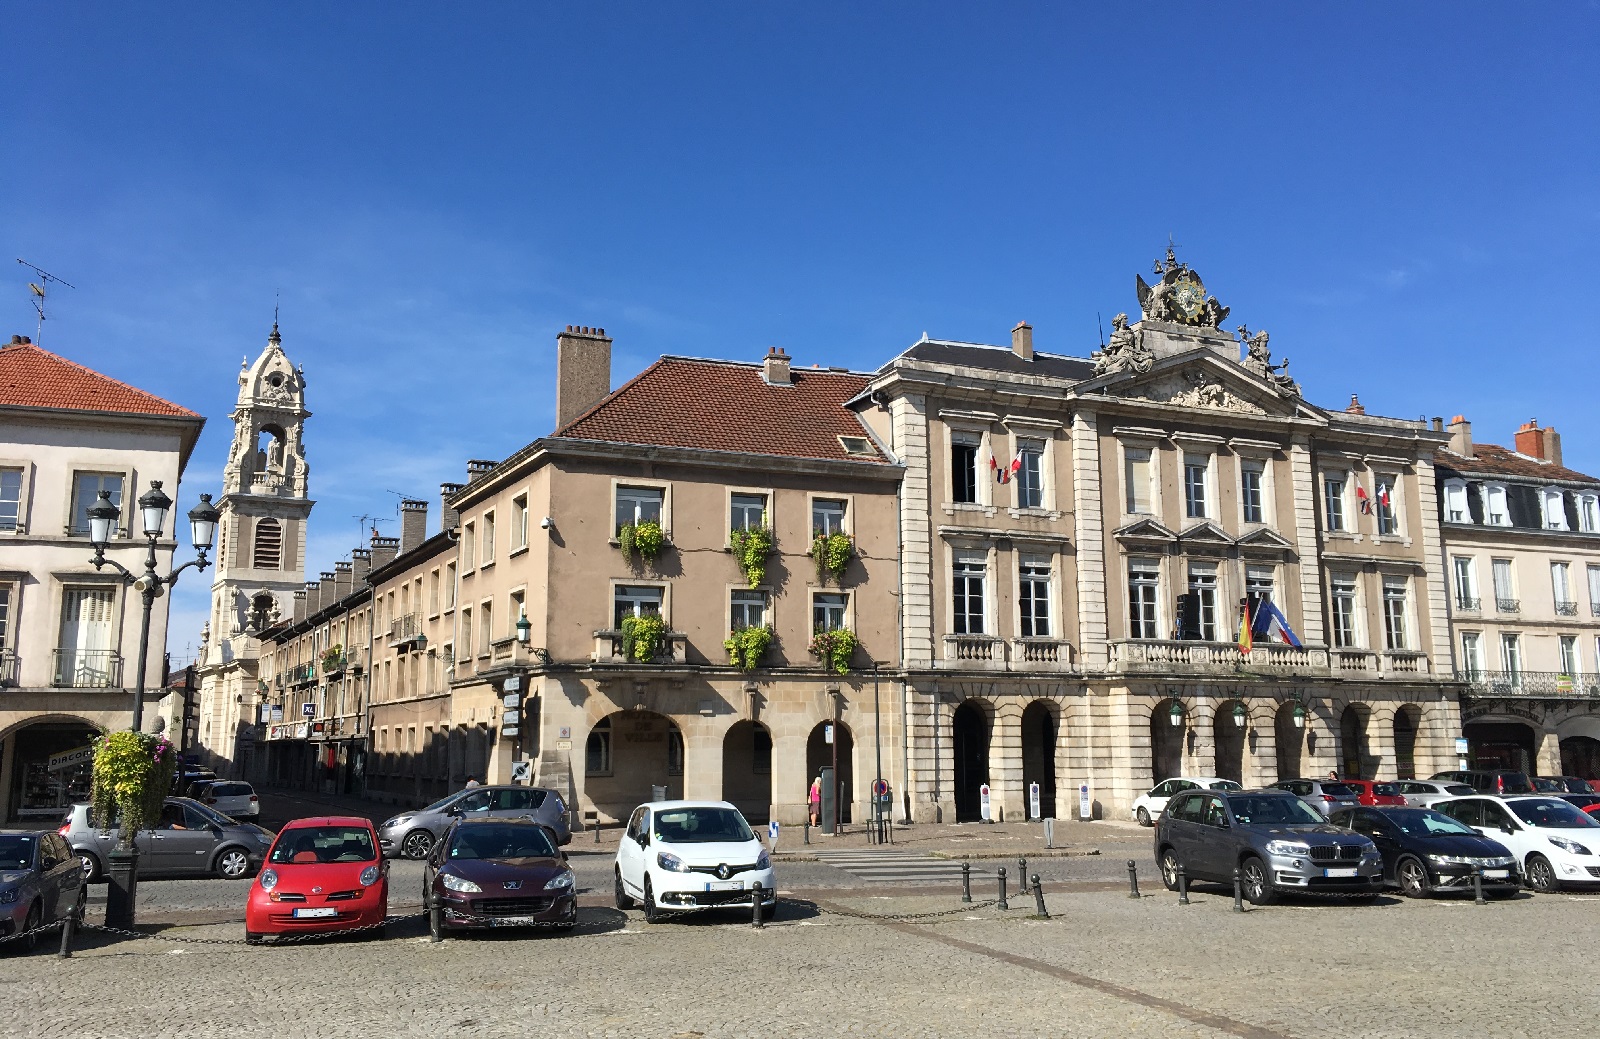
column 1455, row 502
column 1589, row 513
column 1495, row 512
column 1553, row 503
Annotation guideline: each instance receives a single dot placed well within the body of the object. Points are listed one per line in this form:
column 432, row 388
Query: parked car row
column 40, row 883
column 189, row 838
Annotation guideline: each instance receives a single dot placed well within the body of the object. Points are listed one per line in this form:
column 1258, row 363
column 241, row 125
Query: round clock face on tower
column 1188, row 297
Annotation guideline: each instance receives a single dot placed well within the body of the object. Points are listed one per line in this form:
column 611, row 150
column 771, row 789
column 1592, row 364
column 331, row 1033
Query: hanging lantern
column 1238, row 714
column 1299, row 716
column 1175, row 714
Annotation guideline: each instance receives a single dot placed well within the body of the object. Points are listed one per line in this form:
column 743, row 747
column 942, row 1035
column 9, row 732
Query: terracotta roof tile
column 727, row 406
column 1494, row 460
column 33, row 377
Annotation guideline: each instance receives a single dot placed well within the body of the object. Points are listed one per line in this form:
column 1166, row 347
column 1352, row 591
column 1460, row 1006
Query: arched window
column 268, row 553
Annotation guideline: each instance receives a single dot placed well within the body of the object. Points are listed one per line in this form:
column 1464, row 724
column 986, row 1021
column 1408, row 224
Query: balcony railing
column 302, row 674
column 1471, row 603
column 405, row 628
column 1346, row 659
column 1531, row 683
column 991, row 653
column 1042, row 653
column 1566, row 609
column 984, row 651
column 1162, row 655
column 609, row 648
column 8, row 667
column 88, row 669
column 1508, row 605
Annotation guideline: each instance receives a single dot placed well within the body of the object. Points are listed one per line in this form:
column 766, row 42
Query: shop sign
column 69, row 758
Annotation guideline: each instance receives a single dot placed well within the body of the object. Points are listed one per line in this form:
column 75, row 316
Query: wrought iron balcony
column 1469, row 602
column 610, row 647
column 8, row 667
column 1508, row 605
column 1566, row 608
column 87, row 669
column 406, row 629
column 1531, row 683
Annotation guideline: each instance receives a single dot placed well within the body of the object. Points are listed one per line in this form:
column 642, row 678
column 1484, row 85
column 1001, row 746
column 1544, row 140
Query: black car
column 1497, row 782
column 500, row 873
column 1426, row 851
column 1581, row 800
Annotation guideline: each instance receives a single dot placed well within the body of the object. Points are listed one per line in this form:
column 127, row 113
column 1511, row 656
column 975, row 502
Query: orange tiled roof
column 1494, row 460
column 727, row 406
column 33, row 377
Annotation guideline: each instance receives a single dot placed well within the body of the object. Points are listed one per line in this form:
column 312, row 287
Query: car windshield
column 1270, row 811
column 701, row 826
column 325, row 844
column 16, row 851
column 1459, row 790
column 1549, row 813
column 212, row 814
column 501, row 842
column 1551, row 786
column 1226, row 784
column 1424, row 822
column 1340, row 790
column 1386, row 789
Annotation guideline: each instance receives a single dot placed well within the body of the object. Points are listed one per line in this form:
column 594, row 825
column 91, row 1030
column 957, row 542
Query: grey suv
column 1277, row 841
column 411, row 834
column 189, row 838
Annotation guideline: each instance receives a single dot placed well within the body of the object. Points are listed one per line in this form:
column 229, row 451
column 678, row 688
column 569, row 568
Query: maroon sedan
column 500, row 873
column 1373, row 793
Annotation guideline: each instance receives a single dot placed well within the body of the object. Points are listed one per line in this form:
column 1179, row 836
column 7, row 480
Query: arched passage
column 628, row 755
column 1501, row 745
column 820, row 753
column 51, row 767
column 1355, row 759
column 1040, row 730
column 970, row 743
column 1167, row 740
column 1406, row 722
column 1228, row 728
column 1580, row 756
column 747, row 770
column 1290, row 733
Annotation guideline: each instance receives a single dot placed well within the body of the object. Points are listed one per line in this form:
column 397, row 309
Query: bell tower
column 261, row 539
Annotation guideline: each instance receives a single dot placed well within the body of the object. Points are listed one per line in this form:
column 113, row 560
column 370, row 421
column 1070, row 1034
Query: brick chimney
column 360, row 565
column 478, row 468
column 449, row 518
column 342, row 579
column 1022, row 340
column 326, row 593
column 413, row 524
column 299, row 605
column 583, row 371
column 1539, row 443
column 1460, row 436
column 1356, row 407
column 383, row 550
column 775, row 368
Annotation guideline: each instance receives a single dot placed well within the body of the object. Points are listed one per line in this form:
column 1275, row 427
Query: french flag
column 1271, row 624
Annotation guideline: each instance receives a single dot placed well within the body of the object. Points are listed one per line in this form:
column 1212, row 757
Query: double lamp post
column 103, row 520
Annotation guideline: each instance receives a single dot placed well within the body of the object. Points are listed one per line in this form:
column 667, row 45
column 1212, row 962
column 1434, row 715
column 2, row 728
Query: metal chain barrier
column 41, row 929
column 280, row 939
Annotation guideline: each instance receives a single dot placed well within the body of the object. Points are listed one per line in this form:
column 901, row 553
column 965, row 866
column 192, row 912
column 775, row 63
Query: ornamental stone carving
column 1179, row 297
column 1258, row 359
column 1196, row 390
column 1125, row 352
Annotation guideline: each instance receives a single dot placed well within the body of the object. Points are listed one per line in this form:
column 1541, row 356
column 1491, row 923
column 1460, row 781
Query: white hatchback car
column 1557, row 843
column 1148, row 806
column 683, row 855
column 233, row 798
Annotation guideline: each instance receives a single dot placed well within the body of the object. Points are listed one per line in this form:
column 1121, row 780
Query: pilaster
column 909, row 414
column 1305, row 526
column 1089, row 526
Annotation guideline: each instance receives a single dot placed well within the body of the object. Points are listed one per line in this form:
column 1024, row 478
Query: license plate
column 315, row 912
column 1340, row 872
column 513, row 921
column 1496, row 874
column 725, row 885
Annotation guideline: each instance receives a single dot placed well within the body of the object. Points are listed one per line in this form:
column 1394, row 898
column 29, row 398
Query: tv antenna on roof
column 366, row 523
column 37, row 290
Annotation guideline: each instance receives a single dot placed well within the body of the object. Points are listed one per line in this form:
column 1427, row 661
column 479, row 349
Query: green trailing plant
column 333, row 658
column 746, row 646
column 642, row 636
column 836, row 647
column 645, row 539
column 133, row 773
column 751, row 547
column 831, row 553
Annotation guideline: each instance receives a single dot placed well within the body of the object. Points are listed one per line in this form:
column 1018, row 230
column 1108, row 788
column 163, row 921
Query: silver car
column 232, row 798
column 1325, row 795
column 1424, row 793
column 411, row 834
column 189, row 838
column 40, row 881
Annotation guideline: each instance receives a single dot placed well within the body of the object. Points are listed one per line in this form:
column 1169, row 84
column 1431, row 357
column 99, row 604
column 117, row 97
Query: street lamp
column 1298, row 715
column 1238, row 714
column 1175, row 713
column 523, row 627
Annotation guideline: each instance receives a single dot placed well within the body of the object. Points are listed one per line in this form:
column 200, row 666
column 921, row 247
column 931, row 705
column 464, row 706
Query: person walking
column 472, row 781
column 815, row 798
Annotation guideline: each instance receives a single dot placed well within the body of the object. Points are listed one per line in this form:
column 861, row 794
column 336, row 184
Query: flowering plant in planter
column 647, row 539
column 333, row 658
column 751, row 547
column 836, row 647
column 642, row 636
column 133, row 773
column 831, row 553
column 746, row 646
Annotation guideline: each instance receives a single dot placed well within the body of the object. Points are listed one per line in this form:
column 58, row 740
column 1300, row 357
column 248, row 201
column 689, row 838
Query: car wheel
column 1413, row 878
column 652, row 915
column 1143, row 817
column 233, row 864
column 622, row 898
column 1169, row 869
column 1257, row 884
column 1542, row 875
column 417, row 844
column 91, row 866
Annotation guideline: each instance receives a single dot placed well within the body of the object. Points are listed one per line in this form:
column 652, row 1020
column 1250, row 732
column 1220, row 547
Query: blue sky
column 1405, row 196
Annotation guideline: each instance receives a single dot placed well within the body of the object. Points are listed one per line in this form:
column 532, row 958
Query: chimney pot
column 1356, row 407
column 448, row 518
column 775, row 368
column 1460, row 436
column 1022, row 340
column 1539, row 443
column 1438, row 424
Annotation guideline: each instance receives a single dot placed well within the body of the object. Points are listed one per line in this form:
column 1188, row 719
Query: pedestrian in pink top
column 816, row 801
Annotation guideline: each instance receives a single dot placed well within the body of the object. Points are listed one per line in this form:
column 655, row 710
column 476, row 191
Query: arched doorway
column 1501, row 745
column 1039, row 730
column 970, row 742
column 1228, row 728
column 1353, row 756
column 747, row 770
column 820, row 753
column 1580, row 756
column 629, row 757
column 1406, row 722
column 1291, row 740
column 52, row 768
column 1167, row 740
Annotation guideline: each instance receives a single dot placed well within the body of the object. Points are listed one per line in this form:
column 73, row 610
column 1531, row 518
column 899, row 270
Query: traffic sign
column 521, row 771
column 1033, row 801
column 1085, row 805
column 983, row 803
column 512, row 701
column 510, row 718
column 509, row 730
column 827, row 733
column 512, row 684
column 308, row 709
column 772, row 834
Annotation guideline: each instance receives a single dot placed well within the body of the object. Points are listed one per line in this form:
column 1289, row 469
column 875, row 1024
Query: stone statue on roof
column 1125, row 352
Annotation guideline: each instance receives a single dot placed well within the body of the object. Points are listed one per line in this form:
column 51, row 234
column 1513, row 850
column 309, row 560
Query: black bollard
column 1001, row 903
column 1038, row 898
column 68, row 925
column 1133, row 879
column 1183, row 886
column 1022, row 871
column 755, row 908
column 435, row 923
column 808, row 829
column 597, row 832
column 966, row 881
column 1477, row 885
column 1238, row 892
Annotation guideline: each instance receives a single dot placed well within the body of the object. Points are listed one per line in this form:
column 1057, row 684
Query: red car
column 1374, row 793
column 321, row 876
column 1594, row 810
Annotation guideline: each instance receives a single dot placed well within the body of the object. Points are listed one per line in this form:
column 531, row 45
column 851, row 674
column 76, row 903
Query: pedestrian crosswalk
column 892, row 867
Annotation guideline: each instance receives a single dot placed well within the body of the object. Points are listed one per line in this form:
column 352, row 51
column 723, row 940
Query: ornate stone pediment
column 1145, row 532
column 1194, row 388
column 1205, row 533
column 1265, row 542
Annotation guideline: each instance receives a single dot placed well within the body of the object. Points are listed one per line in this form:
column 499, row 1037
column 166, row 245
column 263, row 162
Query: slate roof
column 727, row 406
column 1494, row 460
column 33, row 377
column 1001, row 359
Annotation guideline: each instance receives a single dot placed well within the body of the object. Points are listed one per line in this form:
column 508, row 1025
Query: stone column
column 1432, row 593
column 1321, row 752
column 1305, row 526
column 1200, row 743
column 1006, row 790
column 702, row 756
column 910, row 418
column 1261, row 744
column 1380, row 741
column 1549, row 752
column 1089, row 538
column 790, row 783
